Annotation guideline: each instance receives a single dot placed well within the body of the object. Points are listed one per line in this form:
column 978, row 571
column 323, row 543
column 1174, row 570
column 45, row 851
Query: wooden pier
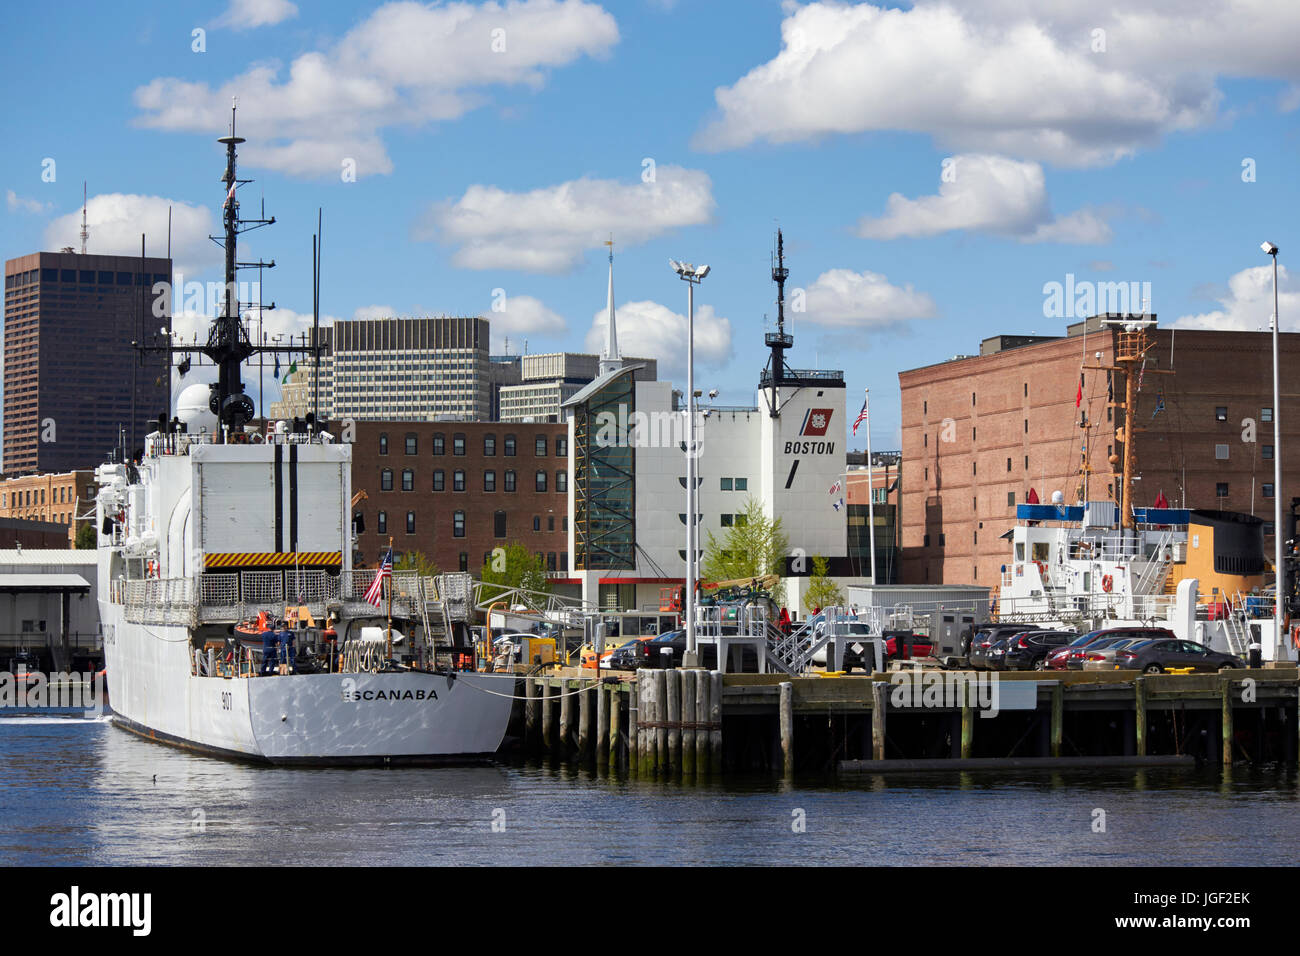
column 691, row 724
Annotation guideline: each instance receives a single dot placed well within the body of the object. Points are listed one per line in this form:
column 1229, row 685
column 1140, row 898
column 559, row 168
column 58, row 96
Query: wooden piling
column 643, row 716
column 1227, row 722
column 615, row 720
column 532, row 713
column 566, row 719
column 688, row 724
column 967, row 729
column 715, row 722
column 548, row 717
column 703, row 685
column 879, row 701
column 1140, row 715
column 673, row 680
column 602, row 725
column 584, row 723
column 661, row 721
column 786, row 712
column 1058, row 718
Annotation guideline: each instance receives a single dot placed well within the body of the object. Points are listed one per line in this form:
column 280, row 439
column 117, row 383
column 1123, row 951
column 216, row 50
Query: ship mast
column 228, row 345
column 780, row 340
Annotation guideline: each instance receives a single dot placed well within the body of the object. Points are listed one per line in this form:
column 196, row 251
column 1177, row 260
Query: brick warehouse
column 455, row 490
column 1010, row 421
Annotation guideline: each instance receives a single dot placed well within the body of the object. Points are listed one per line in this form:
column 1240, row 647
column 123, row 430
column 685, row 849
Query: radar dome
column 192, row 409
column 1057, row 498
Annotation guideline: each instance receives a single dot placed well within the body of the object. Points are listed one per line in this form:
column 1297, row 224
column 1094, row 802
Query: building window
column 550, row 522
column 458, row 444
column 383, row 443
column 1268, row 529
column 498, row 525
column 1008, row 464
column 972, row 467
column 562, row 481
column 1267, row 452
column 972, row 434
column 489, row 446
column 386, row 480
column 464, row 560
column 1026, row 463
column 726, row 484
column 728, row 520
column 564, row 561
column 1221, row 489
column 439, row 480
column 925, row 543
column 972, row 399
column 510, row 446
column 1268, row 490
column 408, row 479
column 410, row 522
column 541, row 481
column 561, row 446
column 381, row 522
column 539, row 446
column 943, row 539
column 458, row 524
column 412, row 443
column 742, row 484
column 742, row 520
column 458, row 480
column 489, row 481
column 1011, row 499
column 1221, row 452
column 1026, row 426
column 510, row 481
column 551, row 564
column 1266, row 414
column 439, row 443
column 925, row 408
column 537, row 522
column 925, row 440
column 1221, row 413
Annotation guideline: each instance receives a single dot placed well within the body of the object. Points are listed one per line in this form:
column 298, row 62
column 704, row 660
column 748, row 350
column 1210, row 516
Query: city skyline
column 922, row 212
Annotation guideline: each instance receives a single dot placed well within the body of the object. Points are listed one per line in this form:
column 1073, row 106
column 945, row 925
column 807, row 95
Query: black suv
column 1028, row 650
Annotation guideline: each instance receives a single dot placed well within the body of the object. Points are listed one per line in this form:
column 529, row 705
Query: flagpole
column 390, row 599
column 871, row 484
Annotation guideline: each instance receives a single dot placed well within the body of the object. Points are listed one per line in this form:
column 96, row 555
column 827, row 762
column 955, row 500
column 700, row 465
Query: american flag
column 375, row 594
column 862, row 415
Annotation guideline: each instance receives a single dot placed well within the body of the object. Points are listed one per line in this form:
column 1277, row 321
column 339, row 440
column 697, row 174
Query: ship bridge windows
column 1221, row 413
column 1041, row 551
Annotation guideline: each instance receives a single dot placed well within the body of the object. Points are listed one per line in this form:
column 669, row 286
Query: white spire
column 609, row 361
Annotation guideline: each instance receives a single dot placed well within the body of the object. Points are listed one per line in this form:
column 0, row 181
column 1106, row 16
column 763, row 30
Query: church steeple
column 610, row 361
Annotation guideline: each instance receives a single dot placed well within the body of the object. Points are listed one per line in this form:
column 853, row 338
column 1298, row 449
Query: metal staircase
column 1237, row 626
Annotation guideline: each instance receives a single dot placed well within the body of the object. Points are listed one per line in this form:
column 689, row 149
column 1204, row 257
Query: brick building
column 454, row 491
column 56, row 499
column 69, row 368
column 979, row 432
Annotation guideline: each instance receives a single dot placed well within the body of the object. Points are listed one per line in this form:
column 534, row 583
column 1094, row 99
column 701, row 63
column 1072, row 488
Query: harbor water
column 83, row 792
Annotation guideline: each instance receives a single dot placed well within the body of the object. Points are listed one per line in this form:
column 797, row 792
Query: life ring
column 1107, row 582
column 1042, row 567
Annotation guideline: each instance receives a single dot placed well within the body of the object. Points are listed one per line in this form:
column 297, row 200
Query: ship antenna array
column 228, row 345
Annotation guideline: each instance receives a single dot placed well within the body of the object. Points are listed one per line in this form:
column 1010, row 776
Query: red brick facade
column 486, row 505
column 979, row 433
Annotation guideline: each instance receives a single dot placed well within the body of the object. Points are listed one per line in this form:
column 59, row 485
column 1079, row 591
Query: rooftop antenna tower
column 774, row 376
column 85, row 230
column 609, row 362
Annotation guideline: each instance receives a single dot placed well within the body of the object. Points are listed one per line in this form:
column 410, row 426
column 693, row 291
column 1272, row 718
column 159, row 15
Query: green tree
column 416, row 561
column 514, row 566
column 822, row 591
column 753, row 546
column 86, row 537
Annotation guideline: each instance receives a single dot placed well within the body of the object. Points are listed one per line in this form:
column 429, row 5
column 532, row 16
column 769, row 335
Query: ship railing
column 262, row 587
column 159, row 600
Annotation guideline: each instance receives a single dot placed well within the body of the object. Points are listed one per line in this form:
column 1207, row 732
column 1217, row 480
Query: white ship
column 218, row 523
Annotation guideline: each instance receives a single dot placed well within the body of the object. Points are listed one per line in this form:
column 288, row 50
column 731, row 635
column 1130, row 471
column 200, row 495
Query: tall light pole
column 1279, row 648
column 692, row 276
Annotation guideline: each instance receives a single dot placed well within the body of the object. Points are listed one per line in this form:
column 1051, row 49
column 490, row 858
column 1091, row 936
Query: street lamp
column 692, row 276
column 1279, row 649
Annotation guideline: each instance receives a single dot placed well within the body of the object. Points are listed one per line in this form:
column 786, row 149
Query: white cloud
column 649, row 330
column 17, row 203
column 1006, row 76
column 248, row 14
column 522, row 316
column 116, row 221
column 1247, row 304
column 407, row 64
column 846, row 299
column 374, row 312
column 549, row 229
column 989, row 194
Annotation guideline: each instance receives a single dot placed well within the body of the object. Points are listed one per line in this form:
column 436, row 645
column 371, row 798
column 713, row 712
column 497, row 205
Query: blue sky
column 1162, row 149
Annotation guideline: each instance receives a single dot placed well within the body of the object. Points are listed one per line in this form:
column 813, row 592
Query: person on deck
column 270, row 650
column 286, row 648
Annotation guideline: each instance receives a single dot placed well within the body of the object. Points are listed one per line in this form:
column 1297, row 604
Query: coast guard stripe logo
column 816, row 421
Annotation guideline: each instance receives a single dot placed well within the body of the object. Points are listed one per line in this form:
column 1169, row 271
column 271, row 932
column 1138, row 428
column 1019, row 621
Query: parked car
column 1104, row 652
column 629, row 656
column 996, row 654
column 1155, row 656
column 984, row 638
column 906, row 645
column 1028, row 650
column 1057, row 660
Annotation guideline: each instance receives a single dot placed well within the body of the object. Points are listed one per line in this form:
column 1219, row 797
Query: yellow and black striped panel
column 271, row 559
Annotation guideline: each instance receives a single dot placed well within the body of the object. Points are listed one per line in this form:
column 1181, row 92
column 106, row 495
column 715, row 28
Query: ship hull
column 405, row 716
